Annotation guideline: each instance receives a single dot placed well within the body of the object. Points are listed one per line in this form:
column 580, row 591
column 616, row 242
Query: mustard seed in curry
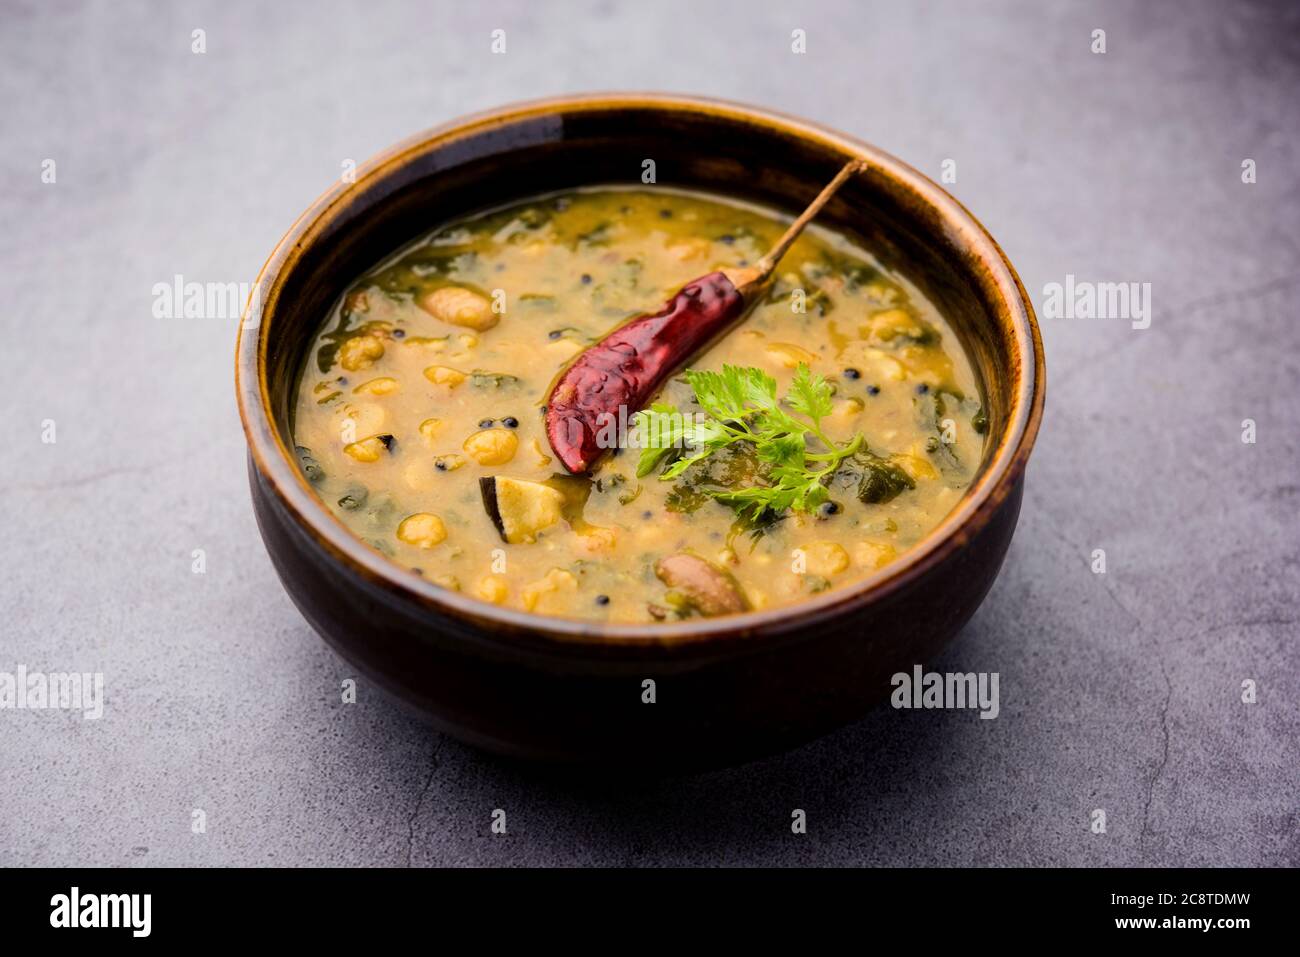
column 802, row 451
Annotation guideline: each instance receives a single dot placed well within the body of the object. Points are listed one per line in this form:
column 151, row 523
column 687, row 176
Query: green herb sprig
column 740, row 405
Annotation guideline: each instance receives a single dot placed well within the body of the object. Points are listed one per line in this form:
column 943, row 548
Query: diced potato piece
column 492, row 588
column 825, row 558
column 789, row 355
column 449, row 582
column 445, row 375
column 460, row 307
column 492, row 446
column 520, row 509
column 449, row 462
column 368, row 450
column 874, row 554
column 423, row 530
column 384, row 385
column 556, row 584
column 360, row 352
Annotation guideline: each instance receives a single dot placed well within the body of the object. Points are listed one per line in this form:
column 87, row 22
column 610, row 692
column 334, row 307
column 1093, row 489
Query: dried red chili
column 628, row 366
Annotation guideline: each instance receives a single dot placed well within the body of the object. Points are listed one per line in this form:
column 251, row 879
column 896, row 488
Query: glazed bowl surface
column 723, row 689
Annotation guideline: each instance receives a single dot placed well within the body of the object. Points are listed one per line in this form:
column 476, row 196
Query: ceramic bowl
column 725, row 689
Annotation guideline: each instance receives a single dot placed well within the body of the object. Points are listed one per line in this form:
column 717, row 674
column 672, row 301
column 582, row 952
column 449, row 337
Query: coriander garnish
column 740, row 405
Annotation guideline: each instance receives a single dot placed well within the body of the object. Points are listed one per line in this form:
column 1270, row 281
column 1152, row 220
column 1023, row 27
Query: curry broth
column 433, row 370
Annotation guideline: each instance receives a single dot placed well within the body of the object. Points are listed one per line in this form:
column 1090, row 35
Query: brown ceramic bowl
column 726, row 688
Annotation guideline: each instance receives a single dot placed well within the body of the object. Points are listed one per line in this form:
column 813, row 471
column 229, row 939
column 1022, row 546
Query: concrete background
column 1120, row 691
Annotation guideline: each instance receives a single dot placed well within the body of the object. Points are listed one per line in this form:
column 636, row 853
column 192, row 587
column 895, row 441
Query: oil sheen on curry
column 805, row 449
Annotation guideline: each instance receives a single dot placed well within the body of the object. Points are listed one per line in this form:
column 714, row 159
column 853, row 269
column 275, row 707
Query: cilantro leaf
column 701, row 440
column 740, row 405
column 733, row 393
column 810, row 394
column 783, row 449
column 657, row 431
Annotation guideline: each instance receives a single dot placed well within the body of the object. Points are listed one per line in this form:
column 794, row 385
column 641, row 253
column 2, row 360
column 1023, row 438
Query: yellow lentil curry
column 419, row 413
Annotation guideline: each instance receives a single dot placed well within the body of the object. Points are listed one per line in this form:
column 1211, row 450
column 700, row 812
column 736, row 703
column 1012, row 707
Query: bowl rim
column 507, row 627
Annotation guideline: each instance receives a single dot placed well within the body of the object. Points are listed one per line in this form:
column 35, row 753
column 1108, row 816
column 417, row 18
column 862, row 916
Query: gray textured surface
column 1119, row 692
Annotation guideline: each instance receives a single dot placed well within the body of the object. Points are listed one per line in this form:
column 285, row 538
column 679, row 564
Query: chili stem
column 768, row 262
